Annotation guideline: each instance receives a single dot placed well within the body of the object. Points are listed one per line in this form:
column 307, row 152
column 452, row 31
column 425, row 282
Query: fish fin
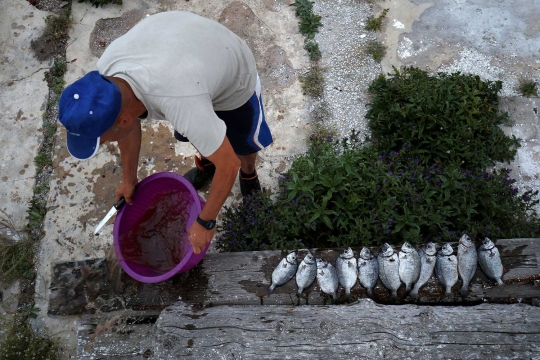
column 350, row 264
column 284, row 265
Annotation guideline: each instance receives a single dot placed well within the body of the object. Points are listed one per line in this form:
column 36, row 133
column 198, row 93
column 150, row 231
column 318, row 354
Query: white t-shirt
column 183, row 67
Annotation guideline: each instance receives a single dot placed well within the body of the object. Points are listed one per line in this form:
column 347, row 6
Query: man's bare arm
column 227, row 165
column 130, row 147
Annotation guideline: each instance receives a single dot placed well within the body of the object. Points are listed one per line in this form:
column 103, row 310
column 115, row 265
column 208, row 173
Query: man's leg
column 248, row 163
column 248, row 177
column 204, row 170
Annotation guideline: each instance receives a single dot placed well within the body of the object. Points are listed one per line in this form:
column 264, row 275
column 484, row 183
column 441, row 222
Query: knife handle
column 120, row 203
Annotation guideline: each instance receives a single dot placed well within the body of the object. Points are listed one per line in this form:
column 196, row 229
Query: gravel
column 349, row 71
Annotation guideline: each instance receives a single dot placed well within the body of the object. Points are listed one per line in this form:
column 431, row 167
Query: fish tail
column 394, row 296
column 407, row 289
column 448, row 291
column 300, row 291
column 334, row 295
column 414, row 294
column 465, row 290
column 347, row 291
column 370, row 292
column 271, row 289
column 499, row 281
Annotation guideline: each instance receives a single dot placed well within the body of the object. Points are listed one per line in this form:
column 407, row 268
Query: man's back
column 180, row 54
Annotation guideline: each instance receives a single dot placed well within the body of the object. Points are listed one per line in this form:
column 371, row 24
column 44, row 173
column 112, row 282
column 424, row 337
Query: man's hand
column 126, row 189
column 198, row 236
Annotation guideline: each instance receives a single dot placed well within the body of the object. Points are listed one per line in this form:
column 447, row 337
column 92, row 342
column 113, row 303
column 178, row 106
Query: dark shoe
column 202, row 174
column 249, row 184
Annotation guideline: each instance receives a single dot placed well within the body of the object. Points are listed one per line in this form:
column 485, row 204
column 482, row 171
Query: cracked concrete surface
column 501, row 41
column 23, row 94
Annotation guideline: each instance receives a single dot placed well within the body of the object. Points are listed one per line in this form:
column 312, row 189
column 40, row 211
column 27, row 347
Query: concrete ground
column 497, row 40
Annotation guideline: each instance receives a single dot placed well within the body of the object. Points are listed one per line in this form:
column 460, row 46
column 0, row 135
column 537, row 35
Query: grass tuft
column 15, row 252
column 22, row 342
column 55, row 76
column 528, row 88
column 376, row 23
column 313, row 49
column 376, row 49
column 57, row 26
column 313, row 81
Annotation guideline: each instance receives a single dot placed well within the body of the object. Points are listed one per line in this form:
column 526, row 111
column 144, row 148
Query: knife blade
column 110, row 214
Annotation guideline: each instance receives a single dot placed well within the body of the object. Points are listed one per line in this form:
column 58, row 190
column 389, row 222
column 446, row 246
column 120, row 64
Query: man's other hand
column 126, row 189
column 198, row 236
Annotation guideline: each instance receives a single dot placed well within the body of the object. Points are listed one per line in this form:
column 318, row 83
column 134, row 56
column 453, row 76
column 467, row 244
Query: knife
column 110, row 214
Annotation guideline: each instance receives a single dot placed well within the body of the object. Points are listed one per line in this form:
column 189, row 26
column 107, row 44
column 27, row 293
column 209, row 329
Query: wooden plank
column 360, row 330
column 125, row 335
column 242, row 279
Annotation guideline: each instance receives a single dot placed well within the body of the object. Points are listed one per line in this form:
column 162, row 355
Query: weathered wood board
column 119, row 335
column 243, row 278
column 363, row 330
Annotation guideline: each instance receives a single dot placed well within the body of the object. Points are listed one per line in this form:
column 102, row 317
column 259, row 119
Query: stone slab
column 23, row 94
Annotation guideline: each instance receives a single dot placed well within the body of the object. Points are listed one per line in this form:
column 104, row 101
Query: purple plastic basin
column 129, row 215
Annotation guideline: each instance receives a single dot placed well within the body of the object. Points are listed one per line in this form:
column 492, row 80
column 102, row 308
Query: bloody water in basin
column 157, row 238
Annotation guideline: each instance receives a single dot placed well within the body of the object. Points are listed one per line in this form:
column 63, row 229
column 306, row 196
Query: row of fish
column 410, row 267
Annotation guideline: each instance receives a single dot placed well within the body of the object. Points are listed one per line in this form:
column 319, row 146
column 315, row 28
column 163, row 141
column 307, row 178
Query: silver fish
column 368, row 270
column 490, row 261
column 446, row 268
column 307, row 272
column 327, row 278
column 283, row 272
column 409, row 266
column 389, row 270
column 346, row 270
column 467, row 257
column 428, row 259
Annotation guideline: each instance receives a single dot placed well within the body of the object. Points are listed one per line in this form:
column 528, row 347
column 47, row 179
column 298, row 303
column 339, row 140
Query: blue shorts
column 247, row 129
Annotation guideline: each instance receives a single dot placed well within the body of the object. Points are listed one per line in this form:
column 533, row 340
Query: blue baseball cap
column 87, row 109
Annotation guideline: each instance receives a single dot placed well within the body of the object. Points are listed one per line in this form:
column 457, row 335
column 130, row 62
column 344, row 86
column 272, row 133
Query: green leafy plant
column 376, row 23
column 313, row 81
column 350, row 193
column 42, row 160
column 313, row 50
column 303, row 7
column 49, row 130
column 55, row 76
column 100, row 3
column 376, row 49
column 528, row 88
column 451, row 119
column 309, row 25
